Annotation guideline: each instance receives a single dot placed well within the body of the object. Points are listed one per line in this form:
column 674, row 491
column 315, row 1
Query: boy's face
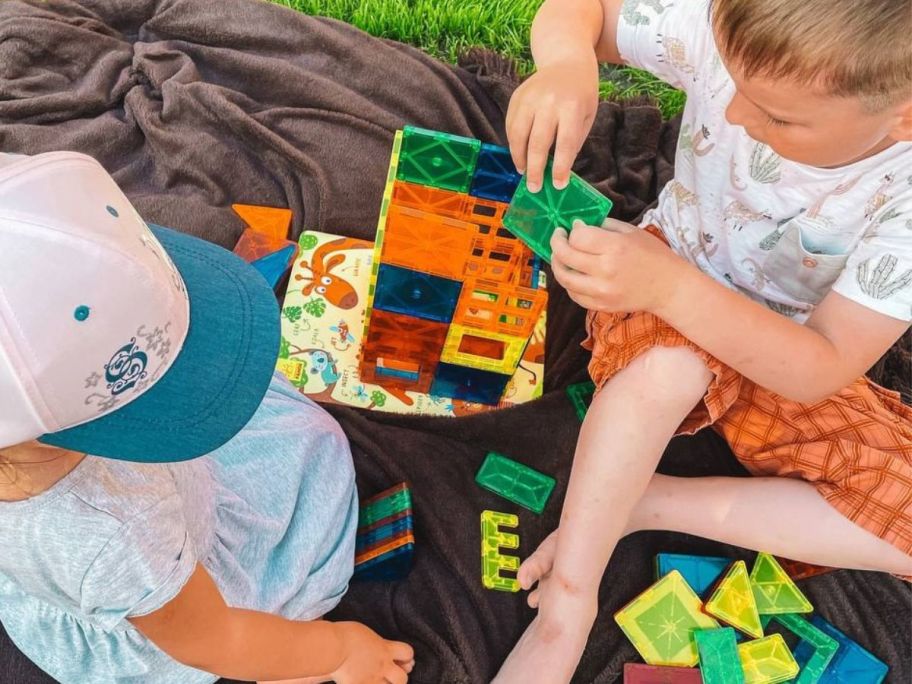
column 809, row 126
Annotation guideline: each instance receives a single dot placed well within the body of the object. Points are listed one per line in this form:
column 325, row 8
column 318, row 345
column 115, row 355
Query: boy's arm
column 558, row 103
column 198, row 629
column 625, row 269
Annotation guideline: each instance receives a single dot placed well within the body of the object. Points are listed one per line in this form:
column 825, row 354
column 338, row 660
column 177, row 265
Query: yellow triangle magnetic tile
column 733, row 602
column 774, row 590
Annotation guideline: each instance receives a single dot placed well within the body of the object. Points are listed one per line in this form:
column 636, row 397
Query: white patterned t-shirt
column 783, row 233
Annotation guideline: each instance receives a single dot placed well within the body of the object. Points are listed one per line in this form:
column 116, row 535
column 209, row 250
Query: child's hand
column 371, row 659
column 557, row 103
column 617, row 268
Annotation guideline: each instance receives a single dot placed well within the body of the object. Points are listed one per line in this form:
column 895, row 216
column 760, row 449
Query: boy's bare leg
column 625, row 433
column 778, row 515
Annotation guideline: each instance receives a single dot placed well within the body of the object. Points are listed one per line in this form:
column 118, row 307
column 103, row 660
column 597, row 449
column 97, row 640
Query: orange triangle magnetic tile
column 270, row 221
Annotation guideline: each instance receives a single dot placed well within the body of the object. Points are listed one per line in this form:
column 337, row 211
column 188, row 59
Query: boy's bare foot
column 551, row 647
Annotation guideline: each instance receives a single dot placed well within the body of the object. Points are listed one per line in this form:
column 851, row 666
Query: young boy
column 789, row 274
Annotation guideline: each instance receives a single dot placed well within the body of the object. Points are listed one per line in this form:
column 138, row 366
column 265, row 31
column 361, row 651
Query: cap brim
column 217, row 381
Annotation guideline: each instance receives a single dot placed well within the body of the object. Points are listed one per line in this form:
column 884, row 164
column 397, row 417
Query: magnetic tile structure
column 851, row 664
column 454, row 296
column 534, row 217
column 817, row 647
column 733, row 601
column 700, row 572
column 719, row 661
column 774, row 590
column 515, row 482
column 661, row 621
column 493, row 562
column 767, row 660
column 385, row 539
column 637, row 673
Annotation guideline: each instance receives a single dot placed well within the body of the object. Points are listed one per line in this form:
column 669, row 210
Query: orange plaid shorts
column 855, row 447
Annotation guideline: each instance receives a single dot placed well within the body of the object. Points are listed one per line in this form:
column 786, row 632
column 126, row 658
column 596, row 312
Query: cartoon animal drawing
column 695, row 143
column 631, row 13
column 675, row 53
column 683, row 196
column 840, row 189
column 704, row 247
column 759, row 277
column 343, row 336
column 740, row 215
column 736, row 181
column 324, row 364
column 880, row 197
column 323, row 281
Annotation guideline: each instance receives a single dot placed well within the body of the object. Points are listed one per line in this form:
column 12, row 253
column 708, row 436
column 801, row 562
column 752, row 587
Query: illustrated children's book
column 322, row 324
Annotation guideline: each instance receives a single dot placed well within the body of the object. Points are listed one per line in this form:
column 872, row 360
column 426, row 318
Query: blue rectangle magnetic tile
column 389, row 530
column 417, row 294
column 468, row 384
column 700, row 572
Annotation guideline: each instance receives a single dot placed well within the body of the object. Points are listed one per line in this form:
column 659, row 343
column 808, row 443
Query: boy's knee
column 681, row 365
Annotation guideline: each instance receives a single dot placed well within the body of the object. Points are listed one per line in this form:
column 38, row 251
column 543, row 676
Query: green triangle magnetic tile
column 533, row 217
column 440, row 160
column 817, row 648
column 515, row 482
column 660, row 622
column 774, row 590
column 493, row 562
column 719, row 661
column 733, row 601
column 767, row 660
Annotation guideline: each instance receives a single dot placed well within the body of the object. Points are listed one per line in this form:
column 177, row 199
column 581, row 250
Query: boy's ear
column 902, row 130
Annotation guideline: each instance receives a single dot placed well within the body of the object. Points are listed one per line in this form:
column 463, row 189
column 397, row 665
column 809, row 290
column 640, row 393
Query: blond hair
column 852, row 48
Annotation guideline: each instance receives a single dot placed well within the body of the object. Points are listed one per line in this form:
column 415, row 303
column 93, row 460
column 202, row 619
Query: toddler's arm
column 569, row 38
column 198, row 629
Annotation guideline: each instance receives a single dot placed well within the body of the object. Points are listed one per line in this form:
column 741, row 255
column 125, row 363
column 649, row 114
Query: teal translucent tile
column 701, row 572
column 515, row 482
column 818, row 648
column 719, row 661
column 581, row 397
column 439, row 160
column 386, row 503
column 533, row 217
column 851, row 664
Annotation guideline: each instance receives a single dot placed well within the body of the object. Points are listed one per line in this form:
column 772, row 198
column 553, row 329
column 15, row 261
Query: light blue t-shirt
column 271, row 515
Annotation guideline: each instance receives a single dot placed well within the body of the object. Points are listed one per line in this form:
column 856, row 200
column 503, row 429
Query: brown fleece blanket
column 194, row 105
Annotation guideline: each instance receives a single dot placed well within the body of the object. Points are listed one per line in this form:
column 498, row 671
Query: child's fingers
column 616, row 226
column 395, row 675
column 540, row 139
column 401, row 652
column 565, row 256
column 519, row 126
column 566, row 148
column 534, row 599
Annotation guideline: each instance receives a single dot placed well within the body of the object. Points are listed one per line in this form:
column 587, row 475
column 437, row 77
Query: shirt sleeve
column 878, row 274
column 670, row 38
column 142, row 567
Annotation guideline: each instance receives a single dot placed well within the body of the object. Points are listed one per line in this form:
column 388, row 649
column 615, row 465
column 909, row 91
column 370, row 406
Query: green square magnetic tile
column 439, row 160
column 515, row 482
column 719, row 661
column 533, row 217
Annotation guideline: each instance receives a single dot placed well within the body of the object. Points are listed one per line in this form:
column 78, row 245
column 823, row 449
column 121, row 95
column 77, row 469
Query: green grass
column 445, row 28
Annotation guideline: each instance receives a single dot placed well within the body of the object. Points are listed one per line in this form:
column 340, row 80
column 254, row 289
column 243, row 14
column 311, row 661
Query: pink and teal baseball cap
column 119, row 338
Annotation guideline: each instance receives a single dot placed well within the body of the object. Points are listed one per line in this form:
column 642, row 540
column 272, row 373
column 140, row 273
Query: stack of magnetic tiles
column 454, row 295
column 385, row 541
column 674, row 630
